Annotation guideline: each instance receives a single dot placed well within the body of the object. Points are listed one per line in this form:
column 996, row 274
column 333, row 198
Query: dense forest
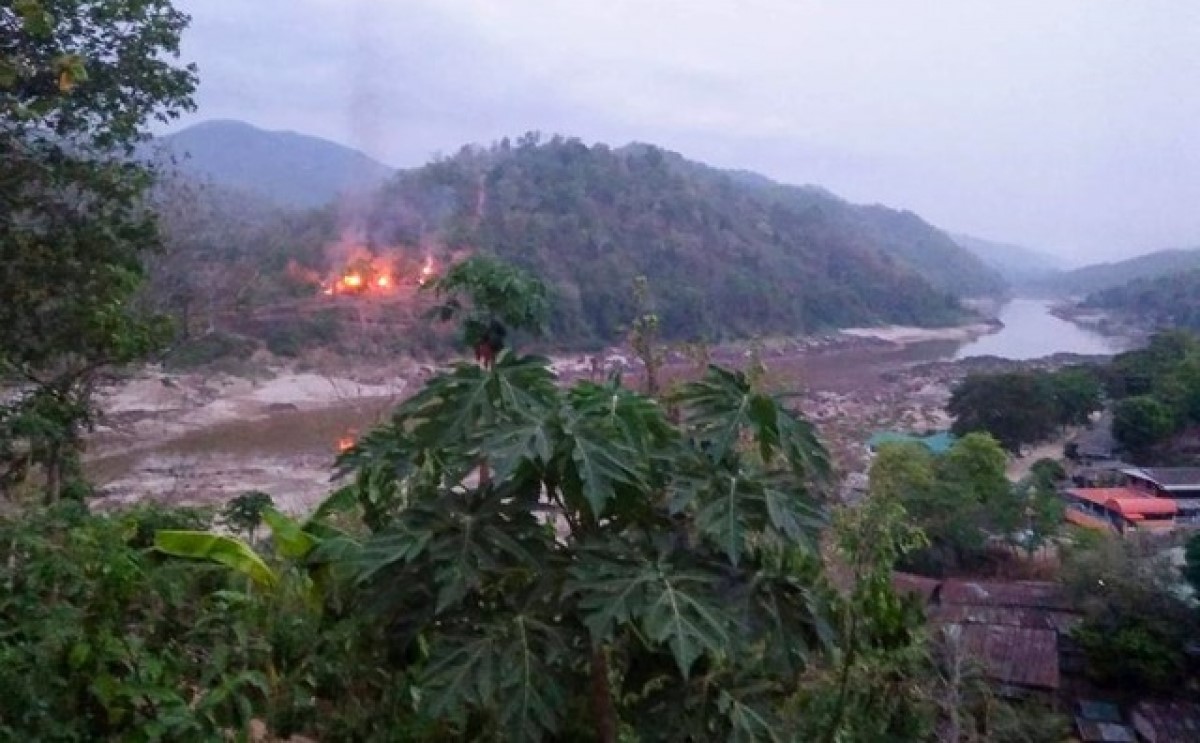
column 1164, row 301
column 724, row 257
column 1102, row 276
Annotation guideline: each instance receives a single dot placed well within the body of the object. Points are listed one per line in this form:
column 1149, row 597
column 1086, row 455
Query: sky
column 1072, row 126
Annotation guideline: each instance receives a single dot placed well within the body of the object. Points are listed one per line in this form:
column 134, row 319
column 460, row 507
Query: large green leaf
column 292, row 541
column 460, row 538
column 506, row 671
column 670, row 606
column 724, row 412
column 203, row 545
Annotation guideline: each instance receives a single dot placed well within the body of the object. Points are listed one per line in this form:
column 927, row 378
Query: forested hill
column 1101, row 276
column 725, row 255
column 1165, row 301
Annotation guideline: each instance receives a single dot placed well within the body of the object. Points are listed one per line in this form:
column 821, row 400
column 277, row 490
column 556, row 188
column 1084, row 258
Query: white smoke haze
column 1067, row 125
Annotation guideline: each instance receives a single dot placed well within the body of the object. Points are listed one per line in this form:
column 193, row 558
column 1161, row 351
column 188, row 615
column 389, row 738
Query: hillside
column 1165, row 301
column 725, row 254
column 1016, row 263
column 900, row 234
column 1095, row 278
column 290, row 169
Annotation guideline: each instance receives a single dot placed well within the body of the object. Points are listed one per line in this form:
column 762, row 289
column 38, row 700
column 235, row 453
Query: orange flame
column 383, row 281
column 352, row 280
column 426, row 270
column 344, row 444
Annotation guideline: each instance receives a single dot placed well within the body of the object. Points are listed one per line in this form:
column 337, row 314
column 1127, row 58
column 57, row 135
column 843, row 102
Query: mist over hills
column 290, row 169
column 1018, row 264
column 1101, row 276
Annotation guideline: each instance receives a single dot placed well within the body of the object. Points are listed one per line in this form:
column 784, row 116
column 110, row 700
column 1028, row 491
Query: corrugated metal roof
column 1091, row 731
column 1059, row 621
column 1014, row 655
column 1167, row 477
column 1167, row 722
column 1130, row 503
column 938, row 443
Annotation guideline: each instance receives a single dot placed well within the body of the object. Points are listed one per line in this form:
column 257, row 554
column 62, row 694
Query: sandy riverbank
column 905, row 335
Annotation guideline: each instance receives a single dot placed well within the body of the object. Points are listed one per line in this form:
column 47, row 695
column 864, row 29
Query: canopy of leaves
column 1020, row 408
column 1164, row 301
column 958, row 499
column 79, row 79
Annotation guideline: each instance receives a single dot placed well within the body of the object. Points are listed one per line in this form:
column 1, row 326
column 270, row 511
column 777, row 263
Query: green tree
column 79, row 79
column 958, row 500
column 1077, row 394
column 490, row 298
column 1015, row 408
column 1191, row 569
column 1141, row 422
column 614, row 570
column 244, row 512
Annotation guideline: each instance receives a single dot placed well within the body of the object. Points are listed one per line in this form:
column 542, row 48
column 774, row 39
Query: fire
column 345, row 443
column 352, row 280
column 383, row 281
column 426, row 270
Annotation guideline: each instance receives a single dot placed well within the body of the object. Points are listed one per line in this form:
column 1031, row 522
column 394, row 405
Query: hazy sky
column 1070, row 125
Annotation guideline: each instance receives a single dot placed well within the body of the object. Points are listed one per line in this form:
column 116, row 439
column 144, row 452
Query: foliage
column 872, row 685
column 1135, row 624
column 244, row 512
column 1165, row 301
column 634, row 571
column 489, row 298
column 79, row 79
column 1191, row 569
column 727, row 257
column 958, row 499
column 1020, row 408
column 1140, row 422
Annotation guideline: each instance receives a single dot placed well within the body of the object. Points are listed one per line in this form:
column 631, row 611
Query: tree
column 1191, row 569
column 615, row 568
column 79, row 79
column 489, row 299
column 244, row 513
column 1141, row 422
column 1077, row 394
column 958, row 500
column 1015, row 408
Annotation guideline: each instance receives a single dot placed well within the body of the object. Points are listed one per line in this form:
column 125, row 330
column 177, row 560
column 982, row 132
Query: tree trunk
column 602, row 701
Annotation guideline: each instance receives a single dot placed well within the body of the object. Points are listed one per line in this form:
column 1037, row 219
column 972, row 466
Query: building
column 1120, row 509
column 1180, row 484
column 1012, row 629
column 937, row 443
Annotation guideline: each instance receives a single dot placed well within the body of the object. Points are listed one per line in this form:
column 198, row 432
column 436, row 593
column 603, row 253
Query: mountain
column 1016, row 263
column 1165, row 301
column 1098, row 277
column 725, row 254
column 290, row 169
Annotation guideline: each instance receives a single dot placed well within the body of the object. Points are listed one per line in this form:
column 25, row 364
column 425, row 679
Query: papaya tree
column 615, row 571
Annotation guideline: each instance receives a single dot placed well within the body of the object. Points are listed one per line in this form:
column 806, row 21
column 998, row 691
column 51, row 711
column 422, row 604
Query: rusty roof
column 1032, row 618
column 1017, row 656
column 1167, row 722
column 1129, row 502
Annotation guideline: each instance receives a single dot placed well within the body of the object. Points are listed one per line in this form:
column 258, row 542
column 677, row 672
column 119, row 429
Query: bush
column 209, row 348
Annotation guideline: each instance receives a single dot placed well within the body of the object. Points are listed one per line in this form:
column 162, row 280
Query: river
column 1031, row 332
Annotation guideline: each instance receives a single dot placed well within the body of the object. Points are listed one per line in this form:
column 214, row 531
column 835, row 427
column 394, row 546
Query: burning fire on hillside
column 367, row 274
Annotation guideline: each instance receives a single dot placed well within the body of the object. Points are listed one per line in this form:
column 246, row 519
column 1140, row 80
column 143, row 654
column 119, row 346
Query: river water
column 1031, row 332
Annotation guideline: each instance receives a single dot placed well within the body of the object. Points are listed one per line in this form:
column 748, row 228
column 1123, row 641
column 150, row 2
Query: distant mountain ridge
column 1017, row 263
column 1167, row 301
column 289, row 169
column 1101, row 276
